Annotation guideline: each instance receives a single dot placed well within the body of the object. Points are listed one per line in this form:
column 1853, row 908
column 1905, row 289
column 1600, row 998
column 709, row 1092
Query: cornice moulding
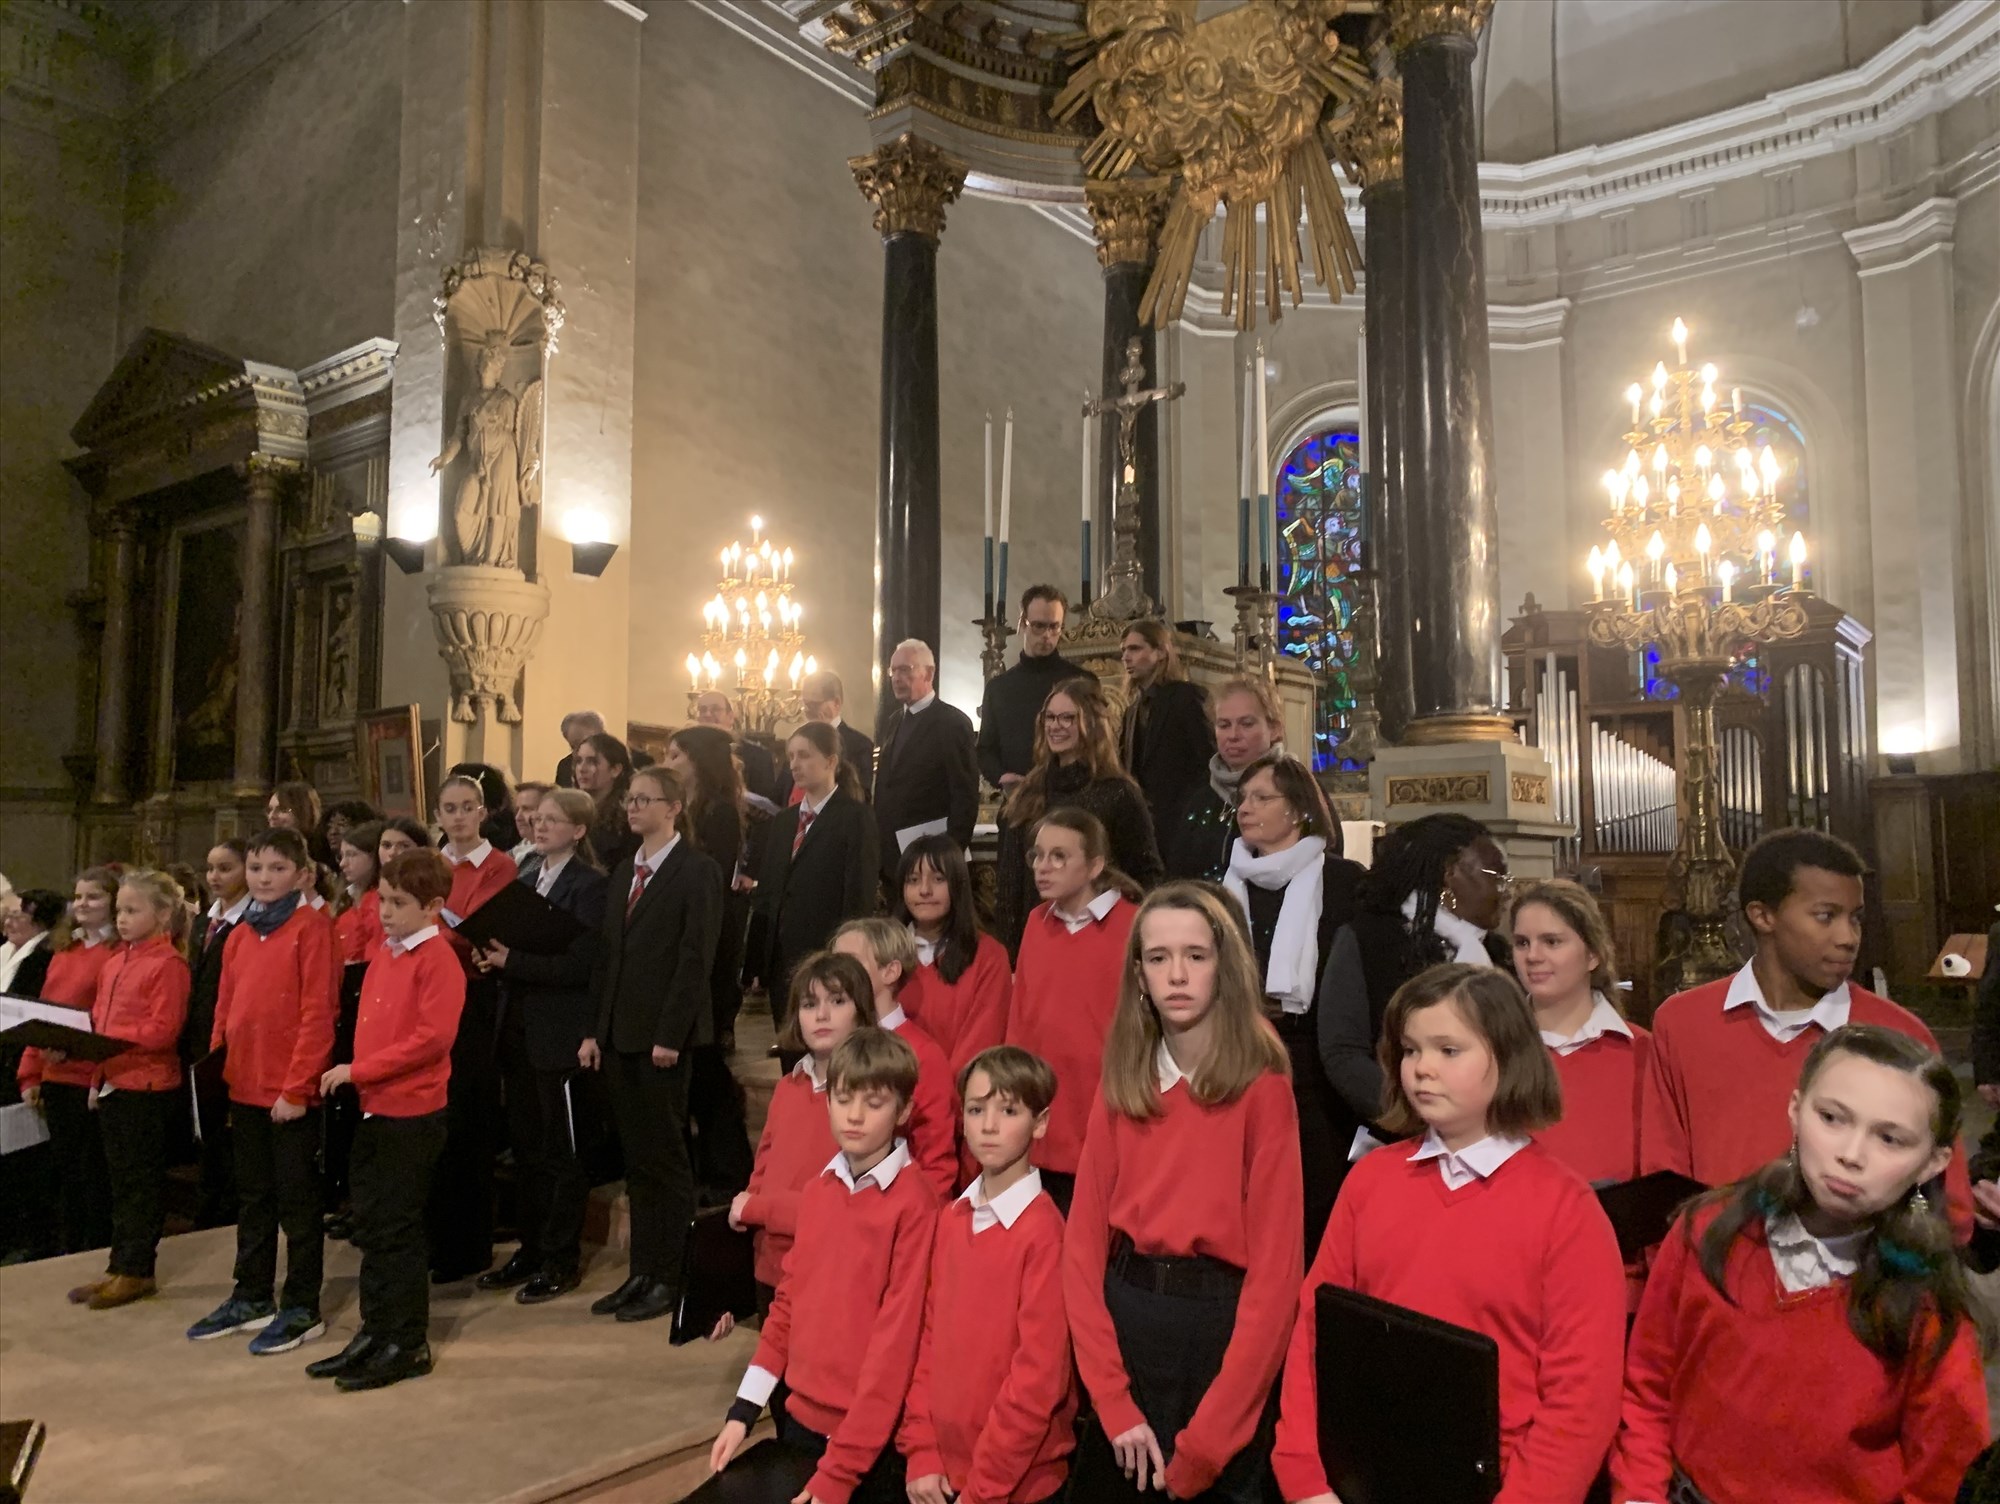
column 1527, row 326
column 1903, row 239
column 354, row 373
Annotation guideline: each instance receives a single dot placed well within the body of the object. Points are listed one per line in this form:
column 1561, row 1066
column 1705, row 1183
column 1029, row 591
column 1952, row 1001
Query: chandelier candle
column 752, row 626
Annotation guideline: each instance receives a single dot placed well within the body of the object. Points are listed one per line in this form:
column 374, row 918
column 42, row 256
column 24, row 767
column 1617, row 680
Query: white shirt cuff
column 757, row 1385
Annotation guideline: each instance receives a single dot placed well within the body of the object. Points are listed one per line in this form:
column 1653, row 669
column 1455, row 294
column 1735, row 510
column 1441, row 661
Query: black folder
column 521, row 919
column 718, row 1274
column 1409, row 1406
column 20, row 1446
column 768, row 1473
column 79, row 1044
column 1642, row 1210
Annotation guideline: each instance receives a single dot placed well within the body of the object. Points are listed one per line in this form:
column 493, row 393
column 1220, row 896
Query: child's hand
column 930, row 1489
column 338, row 1077
column 1138, row 1453
column 736, row 1206
column 284, row 1110
column 724, row 1325
column 588, row 1055
column 32, row 1095
column 56, row 1057
column 806, row 1496
column 92, row 1100
column 727, row 1444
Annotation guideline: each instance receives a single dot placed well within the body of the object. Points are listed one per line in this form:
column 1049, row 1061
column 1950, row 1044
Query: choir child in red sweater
column 889, row 956
column 1726, row 1055
column 357, row 930
column 1476, row 1224
column 59, row 1086
column 959, row 990
column 410, row 1004
column 843, row 1332
column 1182, row 1259
column 831, row 998
column 1067, row 977
column 360, row 870
column 1807, row 1333
column 142, row 999
column 274, row 1019
column 992, row 1408
column 1564, row 957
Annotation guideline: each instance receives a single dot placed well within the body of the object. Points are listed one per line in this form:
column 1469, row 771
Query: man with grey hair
column 927, row 780
column 577, row 725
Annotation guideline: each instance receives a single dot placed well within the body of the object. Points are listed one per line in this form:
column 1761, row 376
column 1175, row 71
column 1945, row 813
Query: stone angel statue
column 501, row 437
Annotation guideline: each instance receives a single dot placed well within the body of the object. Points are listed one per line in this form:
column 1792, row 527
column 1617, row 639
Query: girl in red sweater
column 1067, row 977
column 1181, row 1264
column 357, row 930
column 141, row 999
column 1831, row 1273
column 360, row 870
column 889, row 956
column 959, row 989
column 1476, row 1224
column 1564, row 958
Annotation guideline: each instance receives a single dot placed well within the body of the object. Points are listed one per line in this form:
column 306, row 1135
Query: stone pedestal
column 1509, row 788
column 488, row 622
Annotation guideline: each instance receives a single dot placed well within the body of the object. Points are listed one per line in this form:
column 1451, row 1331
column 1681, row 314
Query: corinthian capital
column 1127, row 217
column 909, row 182
column 1368, row 140
column 1414, row 21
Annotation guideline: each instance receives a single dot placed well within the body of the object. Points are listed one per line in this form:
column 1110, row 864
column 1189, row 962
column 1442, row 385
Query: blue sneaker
column 233, row 1316
column 289, row 1328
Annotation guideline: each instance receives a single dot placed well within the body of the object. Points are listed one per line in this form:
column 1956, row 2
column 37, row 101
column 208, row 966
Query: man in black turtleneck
column 1014, row 697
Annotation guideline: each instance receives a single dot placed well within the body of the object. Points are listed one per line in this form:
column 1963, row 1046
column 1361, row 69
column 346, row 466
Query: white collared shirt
column 807, row 807
column 1005, row 1209
column 315, row 901
column 812, row 1070
column 917, row 707
column 1604, row 1019
column 477, row 856
column 1805, row 1262
column 12, row 955
column 231, row 915
column 403, row 947
column 522, row 850
column 1168, row 1069
column 926, row 949
column 1830, row 1012
column 1095, row 910
column 651, row 863
column 1466, row 939
column 893, row 1020
column 95, row 938
column 545, row 878
column 1474, row 1162
column 882, row 1176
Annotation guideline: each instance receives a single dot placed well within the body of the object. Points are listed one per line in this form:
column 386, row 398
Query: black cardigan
column 1167, row 738
column 1115, row 801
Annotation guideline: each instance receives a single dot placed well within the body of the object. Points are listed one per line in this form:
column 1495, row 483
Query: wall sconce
column 590, row 544
column 590, row 558
column 407, row 552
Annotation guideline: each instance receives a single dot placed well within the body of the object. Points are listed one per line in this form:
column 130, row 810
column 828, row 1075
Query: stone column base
column 1509, row 788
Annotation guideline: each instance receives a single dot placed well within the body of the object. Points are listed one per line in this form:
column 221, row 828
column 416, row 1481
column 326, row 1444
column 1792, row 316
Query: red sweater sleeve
column 934, row 1122
column 1086, row 1250
column 319, row 1002
column 887, row 1363
column 1037, row 1380
column 434, row 1024
column 1944, row 1417
column 1295, row 1458
column 1663, row 1143
column 1273, row 1210
column 773, row 1208
column 916, row 1435
column 225, row 991
column 1642, row 1463
column 986, row 1015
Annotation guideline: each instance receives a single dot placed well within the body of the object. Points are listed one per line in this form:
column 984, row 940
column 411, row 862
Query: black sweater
column 1007, row 714
column 1116, row 802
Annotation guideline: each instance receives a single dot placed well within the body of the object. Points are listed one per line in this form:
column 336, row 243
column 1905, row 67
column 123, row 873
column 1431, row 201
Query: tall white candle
column 1249, row 420
column 987, row 475
column 1007, row 477
column 1263, row 427
column 1085, row 490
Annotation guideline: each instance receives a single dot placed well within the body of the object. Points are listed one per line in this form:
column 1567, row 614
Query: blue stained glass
column 1320, row 526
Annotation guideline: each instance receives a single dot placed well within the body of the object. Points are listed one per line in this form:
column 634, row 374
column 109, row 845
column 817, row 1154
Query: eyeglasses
column 641, row 801
column 1046, row 628
column 1060, row 720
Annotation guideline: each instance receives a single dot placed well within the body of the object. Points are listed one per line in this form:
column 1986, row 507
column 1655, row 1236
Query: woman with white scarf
column 1296, row 889
column 1249, row 724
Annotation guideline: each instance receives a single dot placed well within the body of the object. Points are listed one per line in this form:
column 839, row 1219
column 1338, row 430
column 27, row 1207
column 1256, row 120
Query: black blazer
column 553, row 992
column 929, row 771
column 204, row 986
column 760, row 773
column 1166, row 739
column 804, row 899
column 855, row 749
column 34, row 970
column 651, row 974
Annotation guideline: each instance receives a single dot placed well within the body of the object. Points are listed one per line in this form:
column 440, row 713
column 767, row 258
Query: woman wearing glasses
column 1076, row 766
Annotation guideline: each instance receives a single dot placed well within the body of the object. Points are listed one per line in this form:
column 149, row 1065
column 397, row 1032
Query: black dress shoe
column 518, row 1270
column 604, row 1305
column 547, row 1286
column 658, row 1298
column 387, row 1364
column 349, row 1357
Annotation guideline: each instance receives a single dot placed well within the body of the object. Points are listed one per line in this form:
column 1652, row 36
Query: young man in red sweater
column 992, row 1408
column 1727, row 1055
column 274, row 1015
column 403, row 1031
column 843, row 1330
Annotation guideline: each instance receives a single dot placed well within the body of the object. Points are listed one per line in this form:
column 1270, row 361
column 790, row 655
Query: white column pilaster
column 1530, row 449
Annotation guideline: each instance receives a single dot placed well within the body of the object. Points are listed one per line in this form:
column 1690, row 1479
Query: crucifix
column 1124, row 598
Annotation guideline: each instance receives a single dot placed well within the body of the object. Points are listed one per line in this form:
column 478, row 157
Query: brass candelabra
column 752, row 644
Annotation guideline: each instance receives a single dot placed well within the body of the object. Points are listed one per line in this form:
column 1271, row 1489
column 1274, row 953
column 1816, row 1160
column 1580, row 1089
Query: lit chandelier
column 752, row 647
column 1697, row 523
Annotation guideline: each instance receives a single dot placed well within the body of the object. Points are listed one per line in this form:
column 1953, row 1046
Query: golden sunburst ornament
column 1230, row 109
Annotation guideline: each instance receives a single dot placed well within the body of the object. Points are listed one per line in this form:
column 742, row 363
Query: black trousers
column 216, row 1157
column 459, row 1215
column 718, row 1122
column 1322, row 1148
column 277, row 1185
column 881, row 1484
column 1061, row 1188
column 650, row 1106
column 550, row 1187
column 343, row 1108
column 394, row 1159
column 83, row 1178
column 135, row 1125
column 1173, row 1347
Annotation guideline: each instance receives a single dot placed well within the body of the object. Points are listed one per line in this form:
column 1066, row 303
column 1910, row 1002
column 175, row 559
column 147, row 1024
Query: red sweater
column 933, row 1127
column 1065, row 993
column 471, row 886
column 843, row 1330
column 359, row 930
column 72, row 982
column 404, row 1029
column 1714, row 1103
column 992, row 1406
column 1223, row 1181
column 794, row 1148
column 142, row 997
column 1525, row 1256
column 275, row 1009
column 968, row 1015
column 1598, row 1136
column 1830, row 1419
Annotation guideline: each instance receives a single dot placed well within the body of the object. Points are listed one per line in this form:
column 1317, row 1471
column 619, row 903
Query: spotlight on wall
column 407, row 552
column 590, row 544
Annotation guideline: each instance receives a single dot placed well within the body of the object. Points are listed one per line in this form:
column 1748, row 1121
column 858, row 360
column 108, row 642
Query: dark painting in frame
column 392, row 764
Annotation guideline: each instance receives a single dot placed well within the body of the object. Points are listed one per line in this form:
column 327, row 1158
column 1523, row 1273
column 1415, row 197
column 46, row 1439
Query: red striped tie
column 641, row 875
column 806, row 818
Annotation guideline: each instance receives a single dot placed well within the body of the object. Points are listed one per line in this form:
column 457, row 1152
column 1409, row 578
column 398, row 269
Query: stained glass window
column 1319, row 549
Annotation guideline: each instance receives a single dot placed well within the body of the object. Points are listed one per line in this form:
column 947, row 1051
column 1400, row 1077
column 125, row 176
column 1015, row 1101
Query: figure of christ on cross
column 1124, row 597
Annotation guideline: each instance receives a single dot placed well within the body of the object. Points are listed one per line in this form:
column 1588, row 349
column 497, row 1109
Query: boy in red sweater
column 991, row 1413
column 844, row 1328
column 1726, row 1055
column 410, row 1003
column 274, row 1015
column 889, row 956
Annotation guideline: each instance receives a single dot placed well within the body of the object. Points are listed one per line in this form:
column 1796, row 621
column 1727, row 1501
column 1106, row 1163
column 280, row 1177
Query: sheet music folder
column 50, row 1026
column 1642, row 1210
column 521, row 919
column 718, row 1274
column 768, row 1473
column 1409, row 1406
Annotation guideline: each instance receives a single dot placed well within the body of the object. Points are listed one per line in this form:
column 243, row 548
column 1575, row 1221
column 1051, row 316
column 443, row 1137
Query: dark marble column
column 910, row 182
column 1127, row 218
column 1452, row 534
column 256, row 662
column 112, row 781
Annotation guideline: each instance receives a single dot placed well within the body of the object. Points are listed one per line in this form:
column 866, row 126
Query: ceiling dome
column 1562, row 74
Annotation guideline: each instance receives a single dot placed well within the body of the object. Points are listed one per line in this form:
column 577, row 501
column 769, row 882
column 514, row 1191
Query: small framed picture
column 392, row 765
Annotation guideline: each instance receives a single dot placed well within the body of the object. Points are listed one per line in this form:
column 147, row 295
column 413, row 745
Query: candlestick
column 1726, row 571
column 1635, row 395
column 1361, row 387
column 1680, row 342
column 1006, row 497
column 1798, row 552
column 1000, row 590
column 1086, row 561
column 1084, row 490
column 1263, row 458
column 986, row 535
column 1596, row 574
column 1736, row 401
column 1245, row 488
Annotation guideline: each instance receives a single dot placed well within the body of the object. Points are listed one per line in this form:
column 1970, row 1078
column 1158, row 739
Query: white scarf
column 1466, row 940
column 1293, row 974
